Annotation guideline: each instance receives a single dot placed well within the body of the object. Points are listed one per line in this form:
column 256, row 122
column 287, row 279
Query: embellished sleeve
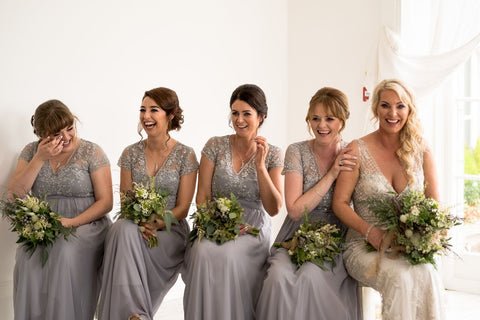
column 274, row 157
column 293, row 160
column 29, row 151
column 210, row 150
column 98, row 158
column 126, row 159
column 189, row 161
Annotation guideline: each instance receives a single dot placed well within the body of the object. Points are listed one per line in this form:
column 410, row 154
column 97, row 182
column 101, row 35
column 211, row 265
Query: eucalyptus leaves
column 35, row 223
column 146, row 204
column 219, row 220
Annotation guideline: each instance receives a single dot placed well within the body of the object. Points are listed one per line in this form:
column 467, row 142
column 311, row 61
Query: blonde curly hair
column 411, row 139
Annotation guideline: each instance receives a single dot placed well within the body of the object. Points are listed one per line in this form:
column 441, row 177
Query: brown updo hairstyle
column 50, row 117
column 254, row 96
column 167, row 100
column 334, row 101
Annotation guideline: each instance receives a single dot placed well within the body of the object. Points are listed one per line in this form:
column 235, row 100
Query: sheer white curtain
column 435, row 37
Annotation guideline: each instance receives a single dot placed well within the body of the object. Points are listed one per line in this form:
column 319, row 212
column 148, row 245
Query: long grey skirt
column 67, row 287
column 136, row 277
column 307, row 292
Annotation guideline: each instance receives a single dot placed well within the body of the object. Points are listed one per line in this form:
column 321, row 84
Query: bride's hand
column 375, row 237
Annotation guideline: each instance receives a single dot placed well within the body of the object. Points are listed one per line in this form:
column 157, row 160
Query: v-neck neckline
column 377, row 167
column 164, row 161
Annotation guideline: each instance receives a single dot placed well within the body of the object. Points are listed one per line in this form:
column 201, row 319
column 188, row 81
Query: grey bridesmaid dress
column 307, row 292
column 67, row 287
column 224, row 281
column 137, row 277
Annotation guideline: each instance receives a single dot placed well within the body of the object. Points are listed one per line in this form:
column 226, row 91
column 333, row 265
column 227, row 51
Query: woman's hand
column 151, row 228
column 343, row 162
column 49, row 148
column 262, row 150
column 68, row 222
column 375, row 237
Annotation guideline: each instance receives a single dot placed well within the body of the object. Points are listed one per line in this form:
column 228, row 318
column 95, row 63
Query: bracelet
column 318, row 193
column 368, row 232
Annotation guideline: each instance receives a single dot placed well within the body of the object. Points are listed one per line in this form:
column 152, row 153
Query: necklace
column 246, row 159
column 323, row 169
column 157, row 155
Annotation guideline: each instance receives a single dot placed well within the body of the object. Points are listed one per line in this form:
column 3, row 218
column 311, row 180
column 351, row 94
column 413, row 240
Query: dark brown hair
column 254, row 96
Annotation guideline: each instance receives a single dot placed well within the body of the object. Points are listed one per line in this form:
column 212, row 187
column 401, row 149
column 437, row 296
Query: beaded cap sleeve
column 71, row 179
column 181, row 161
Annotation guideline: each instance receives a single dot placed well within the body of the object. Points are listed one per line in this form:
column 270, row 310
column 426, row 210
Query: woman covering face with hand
column 311, row 168
column 136, row 276
column 224, row 281
column 74, row 175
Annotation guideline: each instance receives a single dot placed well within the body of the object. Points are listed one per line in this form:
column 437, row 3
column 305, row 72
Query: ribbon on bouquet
column 387, row 241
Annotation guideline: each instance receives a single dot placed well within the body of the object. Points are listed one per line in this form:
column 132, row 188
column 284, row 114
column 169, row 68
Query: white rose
column 403, row 218
column 408, row 233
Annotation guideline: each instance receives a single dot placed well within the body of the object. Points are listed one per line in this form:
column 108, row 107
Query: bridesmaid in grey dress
column 224, row 281
column 74, row 175
column 392, row 160
column 137, row 277
column 311, row 168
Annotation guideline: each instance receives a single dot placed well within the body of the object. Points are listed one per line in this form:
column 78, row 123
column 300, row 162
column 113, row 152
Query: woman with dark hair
column 137, row 277
column 224, row 281
column 392, row 160
column 74, row 175
column 311, row 168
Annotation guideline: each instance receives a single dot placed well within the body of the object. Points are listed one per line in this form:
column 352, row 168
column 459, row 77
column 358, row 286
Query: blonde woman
column 391, row 161
column 311, row 168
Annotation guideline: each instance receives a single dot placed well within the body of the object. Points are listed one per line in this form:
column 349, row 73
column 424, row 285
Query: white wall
column 100, row 56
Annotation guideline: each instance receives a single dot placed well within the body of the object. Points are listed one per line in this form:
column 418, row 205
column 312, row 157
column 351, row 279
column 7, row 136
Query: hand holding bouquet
column 416, row 226
column 35, row 223
column 317, row 242
column 146, row 205
column 219, row 220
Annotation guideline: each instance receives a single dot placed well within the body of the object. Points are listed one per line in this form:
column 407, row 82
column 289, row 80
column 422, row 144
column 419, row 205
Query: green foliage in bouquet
column 419, row 225
column 317, row 242
column 35, row 223
column 146, row 204
column 219, row 220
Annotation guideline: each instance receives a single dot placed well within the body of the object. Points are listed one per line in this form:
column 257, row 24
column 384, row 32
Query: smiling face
column 245, row 119
column 68, row 136
column 324, row 125
column 153, row 119
column 392, row 113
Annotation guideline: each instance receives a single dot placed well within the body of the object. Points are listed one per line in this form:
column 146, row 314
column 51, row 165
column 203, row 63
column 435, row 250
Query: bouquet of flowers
column 146, row 204
column 219, row 220
column 416, row 226
column 317, row 242
column 35, row 223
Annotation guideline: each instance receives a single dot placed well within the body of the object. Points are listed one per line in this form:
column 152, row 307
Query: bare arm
column 430, row 175
column 205, row 176
column 342, row 195
column 102, row 188
column 270, row 183
column 297, row 202
column 185, row 192
column 27, row 171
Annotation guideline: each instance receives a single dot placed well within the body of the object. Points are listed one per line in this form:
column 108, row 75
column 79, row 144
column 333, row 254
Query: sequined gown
column 224, row 281
column 307, row 292
column 67, row 286
column 137, row 277
column 408, row 292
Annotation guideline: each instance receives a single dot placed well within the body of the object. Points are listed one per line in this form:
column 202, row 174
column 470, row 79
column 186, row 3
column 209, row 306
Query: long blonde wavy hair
column 411, row 139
